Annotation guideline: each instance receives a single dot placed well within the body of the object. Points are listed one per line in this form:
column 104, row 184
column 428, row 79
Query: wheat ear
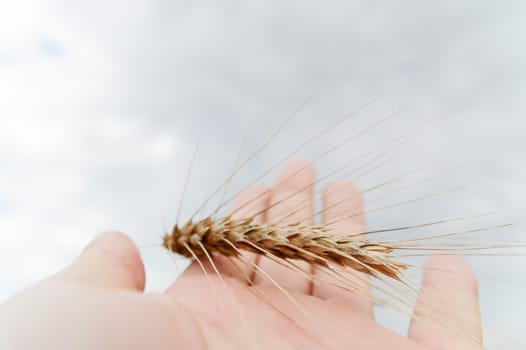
column 312, row 244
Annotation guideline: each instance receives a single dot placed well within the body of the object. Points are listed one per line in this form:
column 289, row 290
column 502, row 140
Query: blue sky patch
column 50, row 48
column 5, row 205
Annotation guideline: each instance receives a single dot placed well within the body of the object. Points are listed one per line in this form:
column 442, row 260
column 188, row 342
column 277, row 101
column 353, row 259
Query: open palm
column 98, row 301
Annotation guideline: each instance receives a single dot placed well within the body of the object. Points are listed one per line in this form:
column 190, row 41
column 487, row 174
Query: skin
column 98, row 302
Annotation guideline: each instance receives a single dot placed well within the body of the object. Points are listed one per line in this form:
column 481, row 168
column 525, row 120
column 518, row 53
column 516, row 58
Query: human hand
column 98, row 301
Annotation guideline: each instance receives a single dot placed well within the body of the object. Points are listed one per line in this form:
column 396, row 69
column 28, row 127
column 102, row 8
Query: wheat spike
column 312, row 244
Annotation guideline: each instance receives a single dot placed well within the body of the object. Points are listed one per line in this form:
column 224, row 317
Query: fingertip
column 297, row 174
column 342, row 184
column 450, row 271
column 343, row 189
column 252, row 201
column 342, row 200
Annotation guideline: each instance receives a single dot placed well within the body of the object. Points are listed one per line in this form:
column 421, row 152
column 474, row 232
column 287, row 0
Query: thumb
column 110, row 261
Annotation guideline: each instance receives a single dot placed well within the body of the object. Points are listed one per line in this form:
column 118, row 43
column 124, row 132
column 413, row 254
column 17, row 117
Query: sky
column 102, row 105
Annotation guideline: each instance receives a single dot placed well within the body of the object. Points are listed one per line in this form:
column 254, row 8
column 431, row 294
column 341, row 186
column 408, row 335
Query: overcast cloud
column 102, row 104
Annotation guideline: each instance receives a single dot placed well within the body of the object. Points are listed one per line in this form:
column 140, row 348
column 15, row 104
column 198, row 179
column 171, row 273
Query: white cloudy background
column 102, row 103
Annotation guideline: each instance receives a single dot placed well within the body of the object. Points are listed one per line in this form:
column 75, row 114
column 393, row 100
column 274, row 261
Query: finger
column 447, row 313
column 293, row 195
column 110, row 261
column 252, row 201
column 340, row 201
